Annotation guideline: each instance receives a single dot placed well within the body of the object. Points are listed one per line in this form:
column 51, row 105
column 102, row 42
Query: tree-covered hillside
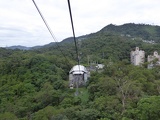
column 146, row 32
column 34, row 83
column 106, row 45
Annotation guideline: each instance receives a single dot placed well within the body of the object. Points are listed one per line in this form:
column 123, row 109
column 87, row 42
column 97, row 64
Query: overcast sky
column 20, row 23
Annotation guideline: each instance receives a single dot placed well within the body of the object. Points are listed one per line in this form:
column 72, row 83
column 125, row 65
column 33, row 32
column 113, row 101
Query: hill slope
column 136, row 31
column 34, row 83
column 146, row 32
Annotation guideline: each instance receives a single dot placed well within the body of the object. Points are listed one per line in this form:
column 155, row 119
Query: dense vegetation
column 34, row 84
column 143, row 31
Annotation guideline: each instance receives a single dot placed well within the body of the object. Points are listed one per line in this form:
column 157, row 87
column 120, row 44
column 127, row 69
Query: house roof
column 78, row 69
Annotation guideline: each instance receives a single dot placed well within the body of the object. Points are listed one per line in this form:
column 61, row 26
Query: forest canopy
column 34, row 83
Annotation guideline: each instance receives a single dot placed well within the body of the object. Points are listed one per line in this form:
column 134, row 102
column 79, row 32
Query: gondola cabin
column 78, row 75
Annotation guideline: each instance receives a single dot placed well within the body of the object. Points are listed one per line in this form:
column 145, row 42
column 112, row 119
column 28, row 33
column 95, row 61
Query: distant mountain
column 71, row 39
column 132, row 30
column 137, row 31
column 144, row 31
column 43, row 46
column 30, row 48
column 18, row 47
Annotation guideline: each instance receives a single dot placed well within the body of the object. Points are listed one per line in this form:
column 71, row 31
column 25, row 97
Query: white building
column 78, row 75
column 137, row 56
column 100, row 66
column 151, row 59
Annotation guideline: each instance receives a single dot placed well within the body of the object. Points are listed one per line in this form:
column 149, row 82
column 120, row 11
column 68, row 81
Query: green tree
column 8, row 116
column 148, row 108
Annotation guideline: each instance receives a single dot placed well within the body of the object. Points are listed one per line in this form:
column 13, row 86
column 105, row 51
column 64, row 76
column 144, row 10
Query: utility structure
column 78, row 76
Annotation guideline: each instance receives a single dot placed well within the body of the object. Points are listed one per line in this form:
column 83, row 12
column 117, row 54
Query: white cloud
column 23, row 25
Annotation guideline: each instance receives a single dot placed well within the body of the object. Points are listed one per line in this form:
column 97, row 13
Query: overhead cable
column 76, row 48
column 53, row 36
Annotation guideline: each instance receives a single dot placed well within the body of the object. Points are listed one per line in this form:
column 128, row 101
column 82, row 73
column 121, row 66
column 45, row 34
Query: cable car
column 78, row 75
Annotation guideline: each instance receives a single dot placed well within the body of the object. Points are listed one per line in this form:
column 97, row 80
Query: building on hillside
column 99, row 66
column 78, row 76
column 151, row 59
column 137, row 56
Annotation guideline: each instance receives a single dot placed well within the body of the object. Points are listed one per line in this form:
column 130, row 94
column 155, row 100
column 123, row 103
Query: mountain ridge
column 143, row 31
